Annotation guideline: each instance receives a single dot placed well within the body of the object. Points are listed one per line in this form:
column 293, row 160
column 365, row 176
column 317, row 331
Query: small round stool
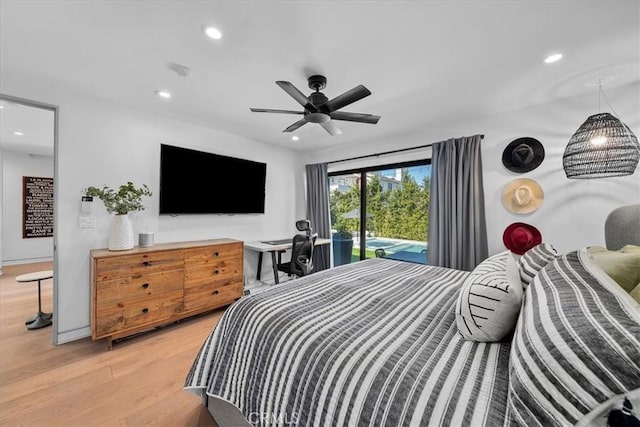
column 41, row 319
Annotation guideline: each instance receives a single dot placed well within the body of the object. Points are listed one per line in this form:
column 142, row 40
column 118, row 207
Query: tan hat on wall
column 522, row 196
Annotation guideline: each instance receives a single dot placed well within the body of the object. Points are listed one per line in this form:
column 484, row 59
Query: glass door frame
column 363, row 191
column 56, row 115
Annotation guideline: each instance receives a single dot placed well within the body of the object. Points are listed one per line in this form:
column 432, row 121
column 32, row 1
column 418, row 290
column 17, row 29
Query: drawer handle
column 146, row 263
column 145, row 286
column 216, row 254
column 145, row 310
column 215, row 272
column 216, row 292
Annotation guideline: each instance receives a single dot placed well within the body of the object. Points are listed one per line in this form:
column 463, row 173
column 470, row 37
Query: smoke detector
column 181, row 70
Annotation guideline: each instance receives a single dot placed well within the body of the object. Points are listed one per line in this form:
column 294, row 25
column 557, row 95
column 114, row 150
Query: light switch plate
column 87, row 222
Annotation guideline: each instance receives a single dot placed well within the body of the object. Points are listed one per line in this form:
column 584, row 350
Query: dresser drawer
column 213, row 254
column 144, row 263
column 214, row 271
column 116, row 317
column 136, row 290
column 138, row 286
column 212, row 294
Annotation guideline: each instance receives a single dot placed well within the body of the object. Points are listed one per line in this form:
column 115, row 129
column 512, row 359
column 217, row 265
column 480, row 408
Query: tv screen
column 197, row 182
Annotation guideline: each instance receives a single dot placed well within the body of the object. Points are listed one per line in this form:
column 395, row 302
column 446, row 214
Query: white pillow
column 490, row 298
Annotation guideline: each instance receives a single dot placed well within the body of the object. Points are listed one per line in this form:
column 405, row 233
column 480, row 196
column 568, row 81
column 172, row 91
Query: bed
column 377, row 343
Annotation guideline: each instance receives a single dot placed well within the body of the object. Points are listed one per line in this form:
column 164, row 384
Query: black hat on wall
column 523, row 155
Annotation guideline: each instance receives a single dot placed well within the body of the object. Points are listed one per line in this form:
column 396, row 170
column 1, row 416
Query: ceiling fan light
column 602, row 147
column 317, row 117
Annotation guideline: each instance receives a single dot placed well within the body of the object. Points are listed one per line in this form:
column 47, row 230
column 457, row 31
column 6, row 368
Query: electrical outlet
column 87, row 222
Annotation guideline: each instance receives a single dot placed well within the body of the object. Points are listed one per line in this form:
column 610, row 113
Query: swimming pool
column 395, row 245
column 374, row 244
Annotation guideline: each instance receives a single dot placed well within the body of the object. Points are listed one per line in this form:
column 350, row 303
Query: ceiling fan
column 319, row 109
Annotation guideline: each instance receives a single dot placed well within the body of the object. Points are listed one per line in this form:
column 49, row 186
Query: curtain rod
column 386, row 152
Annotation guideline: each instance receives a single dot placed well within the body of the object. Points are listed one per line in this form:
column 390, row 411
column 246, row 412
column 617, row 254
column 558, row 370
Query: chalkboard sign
column 37, row 213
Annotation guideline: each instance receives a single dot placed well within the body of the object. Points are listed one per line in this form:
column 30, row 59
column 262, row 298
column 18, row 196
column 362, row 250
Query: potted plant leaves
column 126, row 199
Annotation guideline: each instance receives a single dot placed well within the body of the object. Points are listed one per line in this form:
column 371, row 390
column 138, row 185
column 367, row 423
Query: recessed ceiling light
column 1, row 107
column 163, row 94
column 295, row 138
column 553, row 58
column 212, row 32
column 18, row 133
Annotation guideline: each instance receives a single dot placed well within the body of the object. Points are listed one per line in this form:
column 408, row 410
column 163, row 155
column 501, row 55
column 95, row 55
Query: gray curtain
column 318, row 212
column 457, row 224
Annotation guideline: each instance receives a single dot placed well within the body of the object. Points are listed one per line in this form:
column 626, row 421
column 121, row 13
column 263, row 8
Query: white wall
column 1, row 198
column 104, row 143
column 574, row 211
column 15, row 249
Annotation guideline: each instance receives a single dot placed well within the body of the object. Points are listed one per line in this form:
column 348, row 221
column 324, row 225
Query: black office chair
column 301, row 262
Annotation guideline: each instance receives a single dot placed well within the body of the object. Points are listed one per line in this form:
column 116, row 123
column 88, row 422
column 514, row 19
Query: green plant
column 128, row 198
column 342, row 232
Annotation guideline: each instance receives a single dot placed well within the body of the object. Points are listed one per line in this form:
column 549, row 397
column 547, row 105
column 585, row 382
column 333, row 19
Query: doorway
column 381, row 211
column 28, row 164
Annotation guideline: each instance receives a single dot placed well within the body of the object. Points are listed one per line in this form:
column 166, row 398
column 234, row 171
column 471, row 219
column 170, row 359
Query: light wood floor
column 138, row 383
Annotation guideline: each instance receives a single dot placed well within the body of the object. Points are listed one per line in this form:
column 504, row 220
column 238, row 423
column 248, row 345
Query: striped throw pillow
column 489, row 302
column 576, row 345
column 534, row 260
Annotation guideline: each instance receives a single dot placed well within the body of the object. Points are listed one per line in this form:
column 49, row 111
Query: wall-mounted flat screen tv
column 197, row 182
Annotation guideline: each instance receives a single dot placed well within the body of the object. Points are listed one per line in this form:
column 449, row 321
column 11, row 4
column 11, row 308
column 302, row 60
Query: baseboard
column 26, row 261
column 73, row 335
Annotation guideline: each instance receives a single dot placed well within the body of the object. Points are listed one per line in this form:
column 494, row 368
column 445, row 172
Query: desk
column 416, row 257
column 261, row 248
column 41, row 319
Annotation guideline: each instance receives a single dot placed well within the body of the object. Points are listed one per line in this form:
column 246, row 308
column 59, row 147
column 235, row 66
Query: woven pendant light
column 602, row 147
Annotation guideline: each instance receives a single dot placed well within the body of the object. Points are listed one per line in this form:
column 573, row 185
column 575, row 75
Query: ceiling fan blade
column 355, row 117
column 331, row 127
column 267, row 110
column 295, row 126
column 347, row 98
column 296, row 94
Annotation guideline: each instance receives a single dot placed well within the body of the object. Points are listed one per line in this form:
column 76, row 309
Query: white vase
column 120, row 233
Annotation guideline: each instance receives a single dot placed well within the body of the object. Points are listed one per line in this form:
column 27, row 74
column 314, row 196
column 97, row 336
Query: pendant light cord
column 601, row 92
column 607, row 100
column 604, row 95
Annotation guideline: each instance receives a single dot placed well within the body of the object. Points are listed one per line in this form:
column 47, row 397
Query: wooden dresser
column 142, row 288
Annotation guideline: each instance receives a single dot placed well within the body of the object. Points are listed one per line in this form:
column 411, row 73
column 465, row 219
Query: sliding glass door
column 381, row 211
column 345, row 205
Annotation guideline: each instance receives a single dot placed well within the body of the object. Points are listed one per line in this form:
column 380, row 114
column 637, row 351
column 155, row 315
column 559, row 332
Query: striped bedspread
column 372, row 343
column 576, row 346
